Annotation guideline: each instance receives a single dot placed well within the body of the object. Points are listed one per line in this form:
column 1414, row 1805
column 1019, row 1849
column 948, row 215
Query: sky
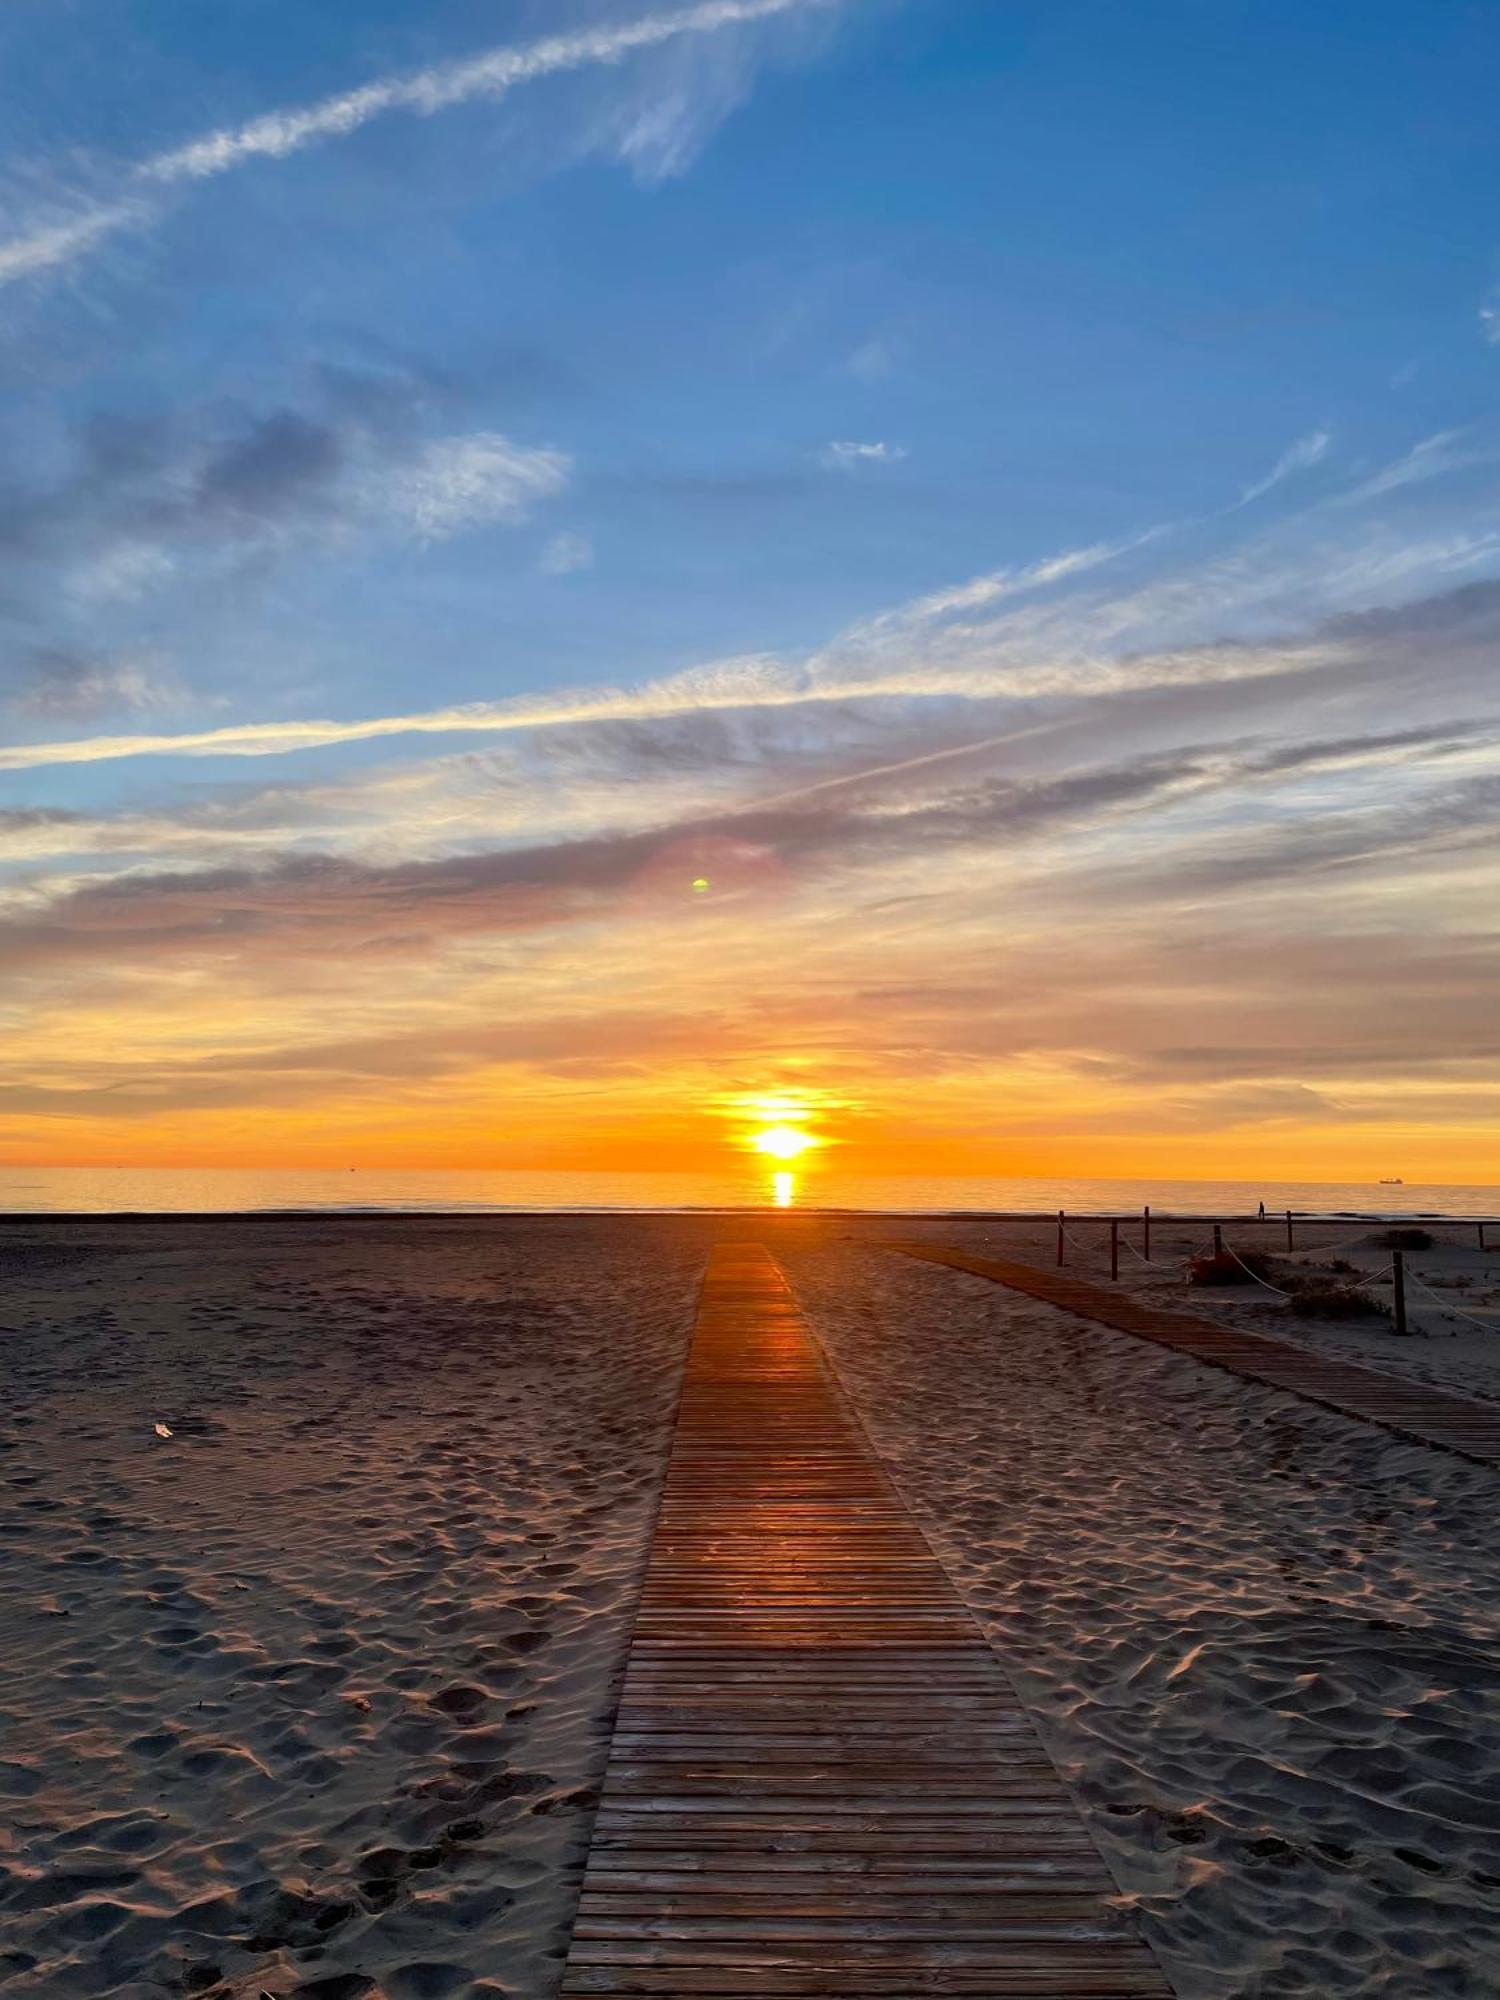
column 579, row 576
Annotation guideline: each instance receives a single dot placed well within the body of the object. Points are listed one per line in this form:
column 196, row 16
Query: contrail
column 278, row 133
column 767, row 688
column 269, row 739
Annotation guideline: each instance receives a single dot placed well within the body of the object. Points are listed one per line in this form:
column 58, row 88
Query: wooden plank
column 1421, row 1415
column 821, row 1781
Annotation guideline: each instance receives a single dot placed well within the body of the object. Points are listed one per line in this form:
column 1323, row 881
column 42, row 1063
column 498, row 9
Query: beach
column 308, row 1696
column 324, row 1535
column 1452, row 1284
column 1261, row 1640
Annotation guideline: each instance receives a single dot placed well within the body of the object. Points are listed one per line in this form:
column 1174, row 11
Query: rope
column 1351, row 1285
column 1252, row 1276
column 1152, row 1263
column 1069, row 1237
column 1327, row 1249
column 1485, row 1326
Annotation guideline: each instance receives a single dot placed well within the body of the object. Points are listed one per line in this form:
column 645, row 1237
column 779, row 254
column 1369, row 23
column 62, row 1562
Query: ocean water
column 753, row 1184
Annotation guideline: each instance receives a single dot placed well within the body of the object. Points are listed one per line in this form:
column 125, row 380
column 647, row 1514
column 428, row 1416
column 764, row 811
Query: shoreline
column 1395, row 1218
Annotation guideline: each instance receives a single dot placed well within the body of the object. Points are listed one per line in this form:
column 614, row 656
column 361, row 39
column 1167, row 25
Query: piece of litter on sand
column 161, row 1430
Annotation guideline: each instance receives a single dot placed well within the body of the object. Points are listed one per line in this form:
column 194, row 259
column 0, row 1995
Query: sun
column 782, row 1142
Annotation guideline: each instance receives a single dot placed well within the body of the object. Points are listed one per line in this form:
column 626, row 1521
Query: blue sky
column 749, row 396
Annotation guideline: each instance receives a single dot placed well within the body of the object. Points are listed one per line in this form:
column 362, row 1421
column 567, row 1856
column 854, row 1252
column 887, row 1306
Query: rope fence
column 1393, row 1274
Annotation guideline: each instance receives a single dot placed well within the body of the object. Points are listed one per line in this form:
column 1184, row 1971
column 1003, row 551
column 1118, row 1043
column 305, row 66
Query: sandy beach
column 1262, row 1641
column 309, row 1696
column 1453, row 1286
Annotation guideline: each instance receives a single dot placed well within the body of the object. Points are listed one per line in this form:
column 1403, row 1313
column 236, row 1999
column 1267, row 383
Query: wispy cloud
column 66, row 688
column 462, row 482
column 847, row 455
column 277, row 134
column 567, row 553
column 872, row 362
column 1003, row 636
column 1431, row 458
column 1278, row 605
column 147, row 502
column 906, row 815
column 980, row 592
column 1307, row 451
column 62, row 242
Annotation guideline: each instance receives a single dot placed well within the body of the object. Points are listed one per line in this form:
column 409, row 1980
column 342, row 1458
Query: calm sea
column 106, row 1190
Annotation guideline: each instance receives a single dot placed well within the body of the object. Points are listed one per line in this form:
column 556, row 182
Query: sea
column 753, row 1185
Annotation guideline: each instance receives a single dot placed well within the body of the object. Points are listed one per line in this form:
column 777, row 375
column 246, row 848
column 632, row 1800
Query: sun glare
column 782, row 1142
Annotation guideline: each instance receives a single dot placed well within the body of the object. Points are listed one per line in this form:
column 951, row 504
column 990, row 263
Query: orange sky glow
column 665, row 1039
column 523, row 650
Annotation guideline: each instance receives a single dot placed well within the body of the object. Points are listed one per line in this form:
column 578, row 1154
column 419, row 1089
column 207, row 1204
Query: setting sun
column 782, row 1142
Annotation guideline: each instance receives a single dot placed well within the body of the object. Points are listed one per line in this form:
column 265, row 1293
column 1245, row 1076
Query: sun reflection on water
column 784, row 1189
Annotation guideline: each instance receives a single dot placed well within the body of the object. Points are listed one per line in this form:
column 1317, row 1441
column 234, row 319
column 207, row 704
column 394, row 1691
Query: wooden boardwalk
column 1425, row 1416
column 821, row 1782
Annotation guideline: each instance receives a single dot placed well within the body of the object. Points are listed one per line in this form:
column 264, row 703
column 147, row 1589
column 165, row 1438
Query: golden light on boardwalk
column 821, row 1780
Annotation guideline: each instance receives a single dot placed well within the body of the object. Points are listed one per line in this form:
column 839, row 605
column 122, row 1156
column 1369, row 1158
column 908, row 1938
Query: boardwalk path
column 1427, row 1416
column 821, row 1781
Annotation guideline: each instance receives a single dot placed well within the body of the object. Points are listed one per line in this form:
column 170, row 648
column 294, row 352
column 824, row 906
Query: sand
column 1262, row 1642
column 310, row 1696
column 1453, row 1289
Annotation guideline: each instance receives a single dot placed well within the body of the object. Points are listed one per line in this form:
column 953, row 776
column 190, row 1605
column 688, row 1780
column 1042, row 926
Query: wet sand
column 310, row 1696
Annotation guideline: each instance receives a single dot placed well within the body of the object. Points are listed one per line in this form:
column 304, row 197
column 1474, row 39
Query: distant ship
column 1392, row 1180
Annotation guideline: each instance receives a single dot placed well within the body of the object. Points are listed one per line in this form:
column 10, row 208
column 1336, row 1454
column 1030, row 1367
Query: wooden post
column 1398, row 1289
column 1218, row 1241
column 1289, row 1243
column 1114, row 1246
column 1059, row 1236
column 1146, row 1234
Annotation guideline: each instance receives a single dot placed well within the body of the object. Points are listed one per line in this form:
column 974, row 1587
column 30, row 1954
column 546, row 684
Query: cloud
column 1032, row 643
column 1083, row 898
column 277, row 134
column 1307, row 451
column 980, row 592
column 1460, row 817
column 871, row 362
column 567, row 553
column 909, row 814
column 658, row 123
column 846, row 455
column 157, row 499
column 396, row 1063
column 457, row 483
column 62, row 687
column 1489, row 319
column 58, row 243
column 1432, row 458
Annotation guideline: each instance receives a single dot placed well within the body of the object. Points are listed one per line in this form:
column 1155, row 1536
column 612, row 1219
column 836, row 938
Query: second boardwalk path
column 821, row 1781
